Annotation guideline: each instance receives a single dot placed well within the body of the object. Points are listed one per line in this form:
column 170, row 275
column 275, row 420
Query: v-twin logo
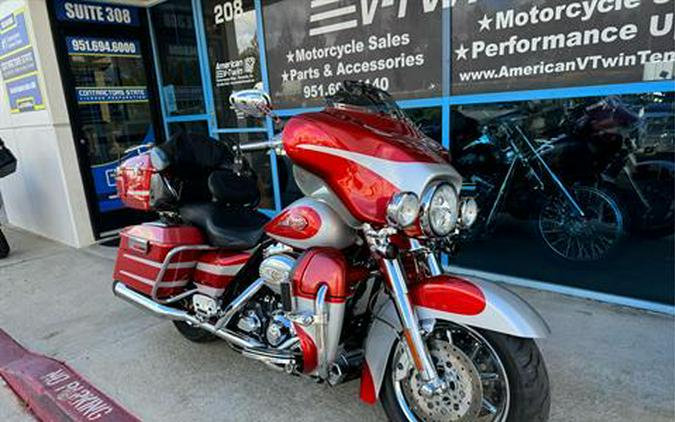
column 365, row 11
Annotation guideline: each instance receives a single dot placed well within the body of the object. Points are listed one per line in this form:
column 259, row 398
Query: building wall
column 45, row 195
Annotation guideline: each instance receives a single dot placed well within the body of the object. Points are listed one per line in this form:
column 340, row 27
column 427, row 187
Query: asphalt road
column 605, row 363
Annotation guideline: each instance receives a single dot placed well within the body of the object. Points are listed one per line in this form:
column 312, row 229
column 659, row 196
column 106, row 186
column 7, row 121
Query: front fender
column 472, row 302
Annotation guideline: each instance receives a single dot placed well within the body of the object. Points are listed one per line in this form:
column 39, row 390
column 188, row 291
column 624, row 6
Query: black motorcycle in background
column 604, row 156
column 605, row 144
column 7, row 167
column 507, row 171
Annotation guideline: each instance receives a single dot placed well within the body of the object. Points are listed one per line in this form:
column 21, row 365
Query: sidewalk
column 605, row 363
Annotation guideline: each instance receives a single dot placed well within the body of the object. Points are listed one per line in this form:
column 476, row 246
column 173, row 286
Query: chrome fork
column 379, row 242
column 419, row 353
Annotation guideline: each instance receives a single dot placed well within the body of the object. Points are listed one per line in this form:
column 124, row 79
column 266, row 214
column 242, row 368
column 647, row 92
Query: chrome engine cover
column 205, row 306
column 276, row 270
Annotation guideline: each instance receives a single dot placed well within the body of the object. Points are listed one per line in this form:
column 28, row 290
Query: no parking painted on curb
column 52, row 390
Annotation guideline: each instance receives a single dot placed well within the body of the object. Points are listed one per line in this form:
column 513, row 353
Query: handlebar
column 260, row 146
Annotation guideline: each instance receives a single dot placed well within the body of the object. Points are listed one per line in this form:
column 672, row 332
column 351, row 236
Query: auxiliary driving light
column 403, row 209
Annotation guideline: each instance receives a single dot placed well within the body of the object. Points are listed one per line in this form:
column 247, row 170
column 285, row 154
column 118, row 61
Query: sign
column 24, row 94
column 520, row 45
column 13, row 33
column 100, row 13
column 312, row 46
column 18, row 66
column 233, row 56
column 52, row 390
column 119, row 95
column 88, row 46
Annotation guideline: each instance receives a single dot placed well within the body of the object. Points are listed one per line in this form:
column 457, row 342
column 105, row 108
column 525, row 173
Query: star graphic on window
column 284, row 76
column 485, row 23
column 461, row 52
column 290, row 57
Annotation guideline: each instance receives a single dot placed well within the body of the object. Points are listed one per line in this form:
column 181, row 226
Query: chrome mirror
column 252, row 102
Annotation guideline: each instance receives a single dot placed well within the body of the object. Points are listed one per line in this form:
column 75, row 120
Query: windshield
column 363, row 95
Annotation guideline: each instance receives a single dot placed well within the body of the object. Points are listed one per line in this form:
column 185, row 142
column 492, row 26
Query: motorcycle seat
column 227, row 228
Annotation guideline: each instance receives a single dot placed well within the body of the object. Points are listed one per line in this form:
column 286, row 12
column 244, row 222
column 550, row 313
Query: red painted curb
column 52, row 390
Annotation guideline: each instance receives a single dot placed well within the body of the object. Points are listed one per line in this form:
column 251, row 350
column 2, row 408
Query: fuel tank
column 308, row 223
column 366, row 157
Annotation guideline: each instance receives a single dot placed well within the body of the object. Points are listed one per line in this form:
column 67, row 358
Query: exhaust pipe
column 167, row 312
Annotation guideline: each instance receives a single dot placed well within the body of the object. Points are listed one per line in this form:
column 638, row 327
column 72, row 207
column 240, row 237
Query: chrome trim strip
column 176, row 266
column 162, row 284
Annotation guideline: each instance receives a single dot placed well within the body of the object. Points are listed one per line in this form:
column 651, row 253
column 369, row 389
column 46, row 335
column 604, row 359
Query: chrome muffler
column 167, row 312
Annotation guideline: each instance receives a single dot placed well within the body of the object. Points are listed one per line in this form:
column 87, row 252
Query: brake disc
column 461, row 402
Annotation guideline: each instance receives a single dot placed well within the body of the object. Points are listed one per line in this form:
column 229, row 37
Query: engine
column 264, row 318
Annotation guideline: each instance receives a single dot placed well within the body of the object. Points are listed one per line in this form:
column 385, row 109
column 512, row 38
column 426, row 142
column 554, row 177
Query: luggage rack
column 165, row 266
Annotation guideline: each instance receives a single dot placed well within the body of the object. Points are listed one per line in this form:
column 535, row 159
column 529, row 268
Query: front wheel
column 489, row 377
column 582, row 238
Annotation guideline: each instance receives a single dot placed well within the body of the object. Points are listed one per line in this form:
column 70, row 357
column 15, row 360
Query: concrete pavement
column 605, row 363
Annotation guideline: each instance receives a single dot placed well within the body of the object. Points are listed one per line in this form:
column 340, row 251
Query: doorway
column 107, row 73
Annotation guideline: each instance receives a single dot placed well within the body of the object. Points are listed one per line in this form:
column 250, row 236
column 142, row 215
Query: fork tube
column 429, row 257
column 502, row 191
column 411, row 328
column 555, row 178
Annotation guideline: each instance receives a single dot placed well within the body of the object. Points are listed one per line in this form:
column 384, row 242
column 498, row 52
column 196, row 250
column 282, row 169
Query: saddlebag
column 142, row 253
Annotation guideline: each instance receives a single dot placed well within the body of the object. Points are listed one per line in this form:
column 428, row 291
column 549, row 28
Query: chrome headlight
column 403, row 209
column 468, row 212
column 439, row 210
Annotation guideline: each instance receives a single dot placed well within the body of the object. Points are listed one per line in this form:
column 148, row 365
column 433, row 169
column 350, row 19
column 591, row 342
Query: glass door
column 113, row 106
column 108, row 75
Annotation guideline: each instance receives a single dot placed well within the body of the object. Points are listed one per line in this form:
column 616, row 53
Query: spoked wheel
column 490, row 377
column 586, row 238
column 659, row 219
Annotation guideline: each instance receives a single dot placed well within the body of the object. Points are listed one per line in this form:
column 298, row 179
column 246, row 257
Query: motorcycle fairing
column 365, row 158
column 472, row 302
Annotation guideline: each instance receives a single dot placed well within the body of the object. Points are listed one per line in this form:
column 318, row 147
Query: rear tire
column 194, row 334
column 528, row 385
column 4, row 246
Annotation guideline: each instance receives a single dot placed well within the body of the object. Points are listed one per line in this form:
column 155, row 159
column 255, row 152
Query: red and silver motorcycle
column 344, row 283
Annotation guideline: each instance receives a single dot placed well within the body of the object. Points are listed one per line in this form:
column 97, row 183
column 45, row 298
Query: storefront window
column 500, row 46
column 429, row 120
column 198, row 126
column 259, row 162
column 173, row 24
column 572, row 191
column 312, row 47
column 233, row 56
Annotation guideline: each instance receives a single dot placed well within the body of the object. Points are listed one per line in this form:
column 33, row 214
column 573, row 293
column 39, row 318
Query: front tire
column 514, row 388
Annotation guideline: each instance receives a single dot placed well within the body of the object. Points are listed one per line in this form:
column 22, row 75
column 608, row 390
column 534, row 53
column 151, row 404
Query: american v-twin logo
column 364, row 12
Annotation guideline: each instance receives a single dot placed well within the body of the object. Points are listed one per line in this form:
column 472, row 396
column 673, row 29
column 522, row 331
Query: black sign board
column 520, row 45
column 313, row 45
column 233, row 55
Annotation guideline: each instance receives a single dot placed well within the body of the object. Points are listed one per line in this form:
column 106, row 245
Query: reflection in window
column 198, row 126
column 111, row 125
column 233, row 56
column 588, row 187
column 259, row 162
column 173, row 24
column 429, row 120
